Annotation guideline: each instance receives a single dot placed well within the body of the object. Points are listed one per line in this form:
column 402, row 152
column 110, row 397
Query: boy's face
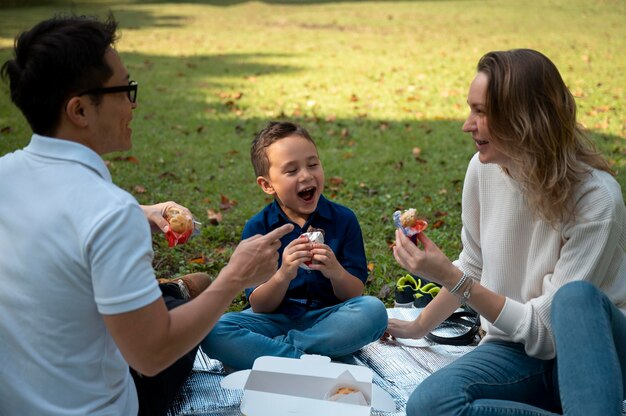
column 295, row 177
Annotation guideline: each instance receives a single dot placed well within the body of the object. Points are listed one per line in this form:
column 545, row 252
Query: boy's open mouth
column 307, row 194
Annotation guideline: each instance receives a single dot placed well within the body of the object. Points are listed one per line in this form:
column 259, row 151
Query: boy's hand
column 325, row 261
column 296, row 253
column 256, row 258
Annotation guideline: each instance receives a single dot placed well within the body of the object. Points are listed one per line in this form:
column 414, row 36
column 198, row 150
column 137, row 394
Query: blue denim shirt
column 310, row 289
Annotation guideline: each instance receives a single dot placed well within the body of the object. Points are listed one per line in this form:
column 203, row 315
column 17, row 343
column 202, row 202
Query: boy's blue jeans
column 239, row 338
column 498, row 378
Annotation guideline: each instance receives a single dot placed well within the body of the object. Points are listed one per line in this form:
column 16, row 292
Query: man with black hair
column 79, row 299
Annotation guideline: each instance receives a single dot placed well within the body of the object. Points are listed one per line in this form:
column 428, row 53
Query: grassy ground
column 380, row 85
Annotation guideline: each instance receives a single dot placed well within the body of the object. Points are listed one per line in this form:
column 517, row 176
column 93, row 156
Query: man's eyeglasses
column 130, row 90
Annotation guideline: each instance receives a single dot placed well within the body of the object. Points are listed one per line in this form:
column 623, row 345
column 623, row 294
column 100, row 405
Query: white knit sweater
column 527, row 260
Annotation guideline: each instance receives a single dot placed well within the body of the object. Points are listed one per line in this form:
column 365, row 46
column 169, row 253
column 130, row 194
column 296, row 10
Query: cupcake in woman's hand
column 409, row 222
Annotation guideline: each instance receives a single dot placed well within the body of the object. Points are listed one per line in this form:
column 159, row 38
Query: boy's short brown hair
column 274, row 131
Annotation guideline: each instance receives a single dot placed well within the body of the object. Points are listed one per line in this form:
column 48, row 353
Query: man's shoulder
column 100, row 192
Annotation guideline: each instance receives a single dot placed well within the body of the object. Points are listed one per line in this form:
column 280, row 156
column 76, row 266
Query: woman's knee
column 575, row 290
column 437, row 395
column 574, row 296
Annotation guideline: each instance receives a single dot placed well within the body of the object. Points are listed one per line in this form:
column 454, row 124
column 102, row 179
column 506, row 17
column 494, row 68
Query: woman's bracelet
column 459, row 284
column 467, row 292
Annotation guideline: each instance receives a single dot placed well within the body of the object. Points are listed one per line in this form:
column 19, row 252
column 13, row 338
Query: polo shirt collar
column 276, row 215
column 68, row 150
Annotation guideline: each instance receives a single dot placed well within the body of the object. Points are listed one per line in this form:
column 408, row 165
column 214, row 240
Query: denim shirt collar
column 277, row 217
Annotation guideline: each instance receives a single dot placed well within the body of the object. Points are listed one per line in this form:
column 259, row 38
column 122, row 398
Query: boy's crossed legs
column 241, row 337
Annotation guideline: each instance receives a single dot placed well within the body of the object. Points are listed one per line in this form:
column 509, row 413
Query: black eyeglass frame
column 130, row 90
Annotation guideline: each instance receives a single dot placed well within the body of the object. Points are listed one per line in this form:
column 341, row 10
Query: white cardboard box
column 290, row 386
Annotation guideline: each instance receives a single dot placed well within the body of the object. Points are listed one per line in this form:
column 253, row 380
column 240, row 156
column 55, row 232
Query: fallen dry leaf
column 335, row 180
column 437, row 224
column 131, row 159
column 384, row 291
column 198, row 260
column 168, row 175
column 215, row 217
column 226, row 203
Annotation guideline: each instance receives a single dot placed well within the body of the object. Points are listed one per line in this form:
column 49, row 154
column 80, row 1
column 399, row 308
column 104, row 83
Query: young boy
column 298, row 311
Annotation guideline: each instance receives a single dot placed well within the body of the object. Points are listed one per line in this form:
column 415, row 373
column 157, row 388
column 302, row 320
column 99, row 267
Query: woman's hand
column 406, row 329
column 429, row 261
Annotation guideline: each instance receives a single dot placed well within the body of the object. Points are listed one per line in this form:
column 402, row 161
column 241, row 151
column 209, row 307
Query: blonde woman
column 544, row 233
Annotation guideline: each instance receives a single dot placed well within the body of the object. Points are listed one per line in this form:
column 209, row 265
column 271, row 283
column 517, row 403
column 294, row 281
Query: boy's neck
column 299, row 220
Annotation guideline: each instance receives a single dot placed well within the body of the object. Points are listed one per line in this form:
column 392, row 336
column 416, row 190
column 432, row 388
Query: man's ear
column 76, row 112
column 266, row 185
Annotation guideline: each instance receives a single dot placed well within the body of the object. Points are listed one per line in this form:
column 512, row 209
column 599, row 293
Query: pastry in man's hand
column 179, row 222
column 182, row 226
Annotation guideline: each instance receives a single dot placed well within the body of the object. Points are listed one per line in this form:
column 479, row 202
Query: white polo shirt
column 73, row 247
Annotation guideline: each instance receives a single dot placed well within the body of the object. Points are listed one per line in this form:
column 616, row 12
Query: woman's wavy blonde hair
column 531, row 112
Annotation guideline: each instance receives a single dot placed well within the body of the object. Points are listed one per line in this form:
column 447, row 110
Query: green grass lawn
column 374, row 82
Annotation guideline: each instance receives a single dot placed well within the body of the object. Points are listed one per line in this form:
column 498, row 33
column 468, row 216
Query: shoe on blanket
column 425, row 294
column 406, row 288
column 190, row 285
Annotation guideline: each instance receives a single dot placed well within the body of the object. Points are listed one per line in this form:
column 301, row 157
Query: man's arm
column 152, row 338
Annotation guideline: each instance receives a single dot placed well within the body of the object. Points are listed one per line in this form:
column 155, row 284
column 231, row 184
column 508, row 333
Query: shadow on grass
column 24, row 17
column 20, row 15
column 79, row 3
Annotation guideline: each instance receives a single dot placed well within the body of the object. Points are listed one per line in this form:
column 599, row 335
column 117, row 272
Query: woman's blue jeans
column 239, row 338
column 498, row 378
